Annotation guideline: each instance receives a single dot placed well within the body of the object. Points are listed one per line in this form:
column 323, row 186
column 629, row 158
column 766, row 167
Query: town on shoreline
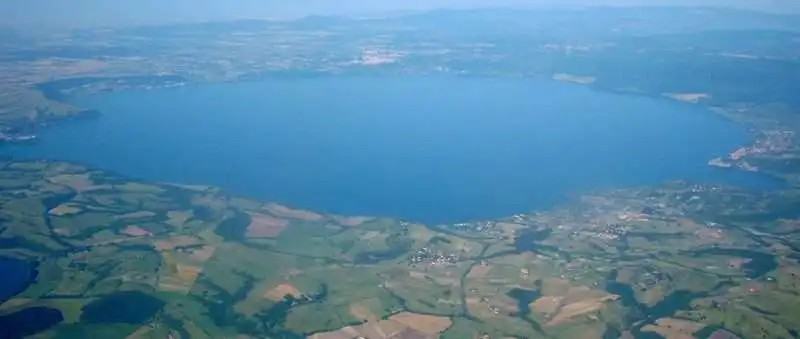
column 112, row 256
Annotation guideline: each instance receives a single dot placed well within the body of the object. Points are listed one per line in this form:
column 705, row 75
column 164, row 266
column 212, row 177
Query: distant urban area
column 105, row 255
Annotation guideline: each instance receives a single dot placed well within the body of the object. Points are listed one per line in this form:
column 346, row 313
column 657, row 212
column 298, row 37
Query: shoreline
column 735, row 159
column 570, row 196
column 367, row 171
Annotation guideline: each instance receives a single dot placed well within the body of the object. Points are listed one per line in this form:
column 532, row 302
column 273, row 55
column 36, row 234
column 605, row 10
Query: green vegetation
column 119, row 258
column 129, row 307
column 149, row 268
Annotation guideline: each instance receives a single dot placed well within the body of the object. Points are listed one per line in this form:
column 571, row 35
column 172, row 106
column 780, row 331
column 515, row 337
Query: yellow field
column 277, row 293
column 65, row 209
column 671, row 328
column 424, row 323
column 285, row 212
column 383, row 329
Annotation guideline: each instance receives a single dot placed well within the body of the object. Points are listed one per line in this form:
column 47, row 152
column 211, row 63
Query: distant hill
column 85, row 13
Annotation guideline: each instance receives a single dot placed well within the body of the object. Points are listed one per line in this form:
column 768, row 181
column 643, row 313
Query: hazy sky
column 125, row 12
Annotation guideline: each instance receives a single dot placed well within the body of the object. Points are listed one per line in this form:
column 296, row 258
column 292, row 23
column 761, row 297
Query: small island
column 582, row 80
column 14, row 138
column 689, row 97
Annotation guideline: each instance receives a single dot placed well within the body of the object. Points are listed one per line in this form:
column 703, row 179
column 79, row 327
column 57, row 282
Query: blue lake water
column 16, row 276
column 431, row 149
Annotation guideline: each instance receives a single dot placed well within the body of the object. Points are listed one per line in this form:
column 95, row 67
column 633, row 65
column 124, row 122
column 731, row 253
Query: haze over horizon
column 113, row 12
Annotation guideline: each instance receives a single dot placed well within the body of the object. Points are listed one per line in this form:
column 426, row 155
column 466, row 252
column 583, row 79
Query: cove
column 430, row 149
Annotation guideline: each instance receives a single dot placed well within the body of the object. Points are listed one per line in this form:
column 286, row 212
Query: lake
column 430, row 149
column 17, row 275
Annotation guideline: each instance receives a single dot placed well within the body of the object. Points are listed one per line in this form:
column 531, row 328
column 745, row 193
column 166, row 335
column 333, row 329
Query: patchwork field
column 195, row 260
column 400, row 326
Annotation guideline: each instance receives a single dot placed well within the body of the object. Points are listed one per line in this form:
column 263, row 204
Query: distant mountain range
column 83, row 13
